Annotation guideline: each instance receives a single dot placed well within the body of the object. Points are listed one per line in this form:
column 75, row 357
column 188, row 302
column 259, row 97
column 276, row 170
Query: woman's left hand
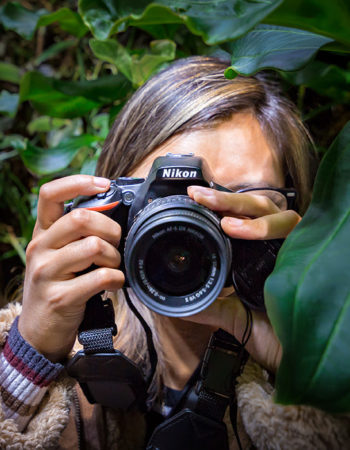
column 253, row 217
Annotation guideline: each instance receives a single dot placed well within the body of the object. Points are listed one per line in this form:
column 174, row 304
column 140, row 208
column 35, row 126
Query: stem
column 301, row 95
column 16, row 244
column 80, row 65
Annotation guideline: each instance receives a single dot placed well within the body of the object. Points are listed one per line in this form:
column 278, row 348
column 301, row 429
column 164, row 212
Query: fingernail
column 101, row 182
column 233, row 221
column 208, row 192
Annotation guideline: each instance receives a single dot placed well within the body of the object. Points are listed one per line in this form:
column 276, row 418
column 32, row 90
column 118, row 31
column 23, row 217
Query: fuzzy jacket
column 261, row 422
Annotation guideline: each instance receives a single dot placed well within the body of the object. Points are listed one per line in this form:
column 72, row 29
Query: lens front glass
column 176, row 257
column 178, row 263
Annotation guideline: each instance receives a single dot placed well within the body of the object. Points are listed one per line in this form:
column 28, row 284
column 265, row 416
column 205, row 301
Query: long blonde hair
column 193, row 94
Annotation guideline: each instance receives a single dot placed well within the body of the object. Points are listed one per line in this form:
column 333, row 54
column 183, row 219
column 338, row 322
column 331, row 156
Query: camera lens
column 176, row 256
column 177, row 263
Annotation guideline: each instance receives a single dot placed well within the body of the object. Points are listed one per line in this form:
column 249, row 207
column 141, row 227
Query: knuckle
column 32, row 249
column 118, row 259
column 293, row 216
column 105, row 275
column 79, row 217
column 266, row 203
column 45, row 191
column 118, row 230
column 38, row 271
column 95, row 245
column 239, row 204
column 84, row 180
column 261, row 230
column 110, row 278
column 55, row 299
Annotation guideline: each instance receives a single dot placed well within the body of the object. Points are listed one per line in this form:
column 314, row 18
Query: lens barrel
column 177, row 258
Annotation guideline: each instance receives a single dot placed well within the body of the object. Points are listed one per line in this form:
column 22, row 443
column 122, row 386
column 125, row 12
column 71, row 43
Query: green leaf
column 54, row 49
column 89, row 166
column 273, row 47
column 48, row 161
column 325, row 79
column 215, row 21
column 143, row 67
column 337, row 47
column 23, row 21
column 111, row 51
column 49, row 101
column 137, row 68
column 10, row 72
column 319, row 16
column 308, row 294
column 100, row 123
column 71, row 127
column 7, row 155
column 8, row 103
column 44, row 124
column 68, row 20
column 161, row 31
column 15, row 141
column 104, row 90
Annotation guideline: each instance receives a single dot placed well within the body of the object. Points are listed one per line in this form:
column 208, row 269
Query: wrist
column 51, row 346
column 27, row 360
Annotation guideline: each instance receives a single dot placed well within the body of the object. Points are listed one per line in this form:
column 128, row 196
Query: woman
column 250, row 137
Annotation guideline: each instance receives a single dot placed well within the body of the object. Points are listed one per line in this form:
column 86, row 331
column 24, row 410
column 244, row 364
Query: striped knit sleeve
column 25, row 376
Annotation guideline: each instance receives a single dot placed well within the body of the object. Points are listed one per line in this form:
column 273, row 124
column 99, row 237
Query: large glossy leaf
column 325, row 79
column 69, row 21
column 49, row 101
column 112, row 51
column 23, row 21
column 216, row 21
column 329, row 18
column 308, row 294
column 137, row 68
column 70, row 99
column 48, row 161
column 275, row 47
column 13, row 16
column 104, row 90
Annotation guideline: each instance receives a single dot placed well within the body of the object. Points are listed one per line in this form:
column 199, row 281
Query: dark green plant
column 67, row 72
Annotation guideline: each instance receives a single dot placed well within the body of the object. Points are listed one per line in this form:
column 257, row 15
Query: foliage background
column 67, row 68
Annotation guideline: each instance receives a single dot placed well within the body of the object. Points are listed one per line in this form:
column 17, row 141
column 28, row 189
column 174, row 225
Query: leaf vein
column 331, row 337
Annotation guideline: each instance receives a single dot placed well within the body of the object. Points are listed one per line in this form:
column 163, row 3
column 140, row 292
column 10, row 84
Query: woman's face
column 237, row 152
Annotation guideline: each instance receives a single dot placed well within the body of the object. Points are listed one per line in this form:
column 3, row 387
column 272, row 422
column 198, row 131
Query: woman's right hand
column 54, row 297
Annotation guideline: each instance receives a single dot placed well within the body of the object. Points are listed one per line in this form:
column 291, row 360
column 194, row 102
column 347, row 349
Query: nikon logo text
column 179, row 173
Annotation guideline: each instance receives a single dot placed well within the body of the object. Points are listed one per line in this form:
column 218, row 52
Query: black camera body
column 176, row 257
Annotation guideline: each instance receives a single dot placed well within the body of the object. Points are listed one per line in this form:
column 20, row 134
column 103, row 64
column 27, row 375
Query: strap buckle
column 221, row 365
column 99, row 313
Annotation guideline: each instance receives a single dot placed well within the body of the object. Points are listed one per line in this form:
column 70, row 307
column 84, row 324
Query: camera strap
column 98, row 326
column 197, row 420
column 106, row 375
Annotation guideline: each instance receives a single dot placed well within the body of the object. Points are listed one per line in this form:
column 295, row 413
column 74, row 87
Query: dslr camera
column 175, row 255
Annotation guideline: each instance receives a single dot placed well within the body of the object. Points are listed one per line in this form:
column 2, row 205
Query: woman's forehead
column 237, row 152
